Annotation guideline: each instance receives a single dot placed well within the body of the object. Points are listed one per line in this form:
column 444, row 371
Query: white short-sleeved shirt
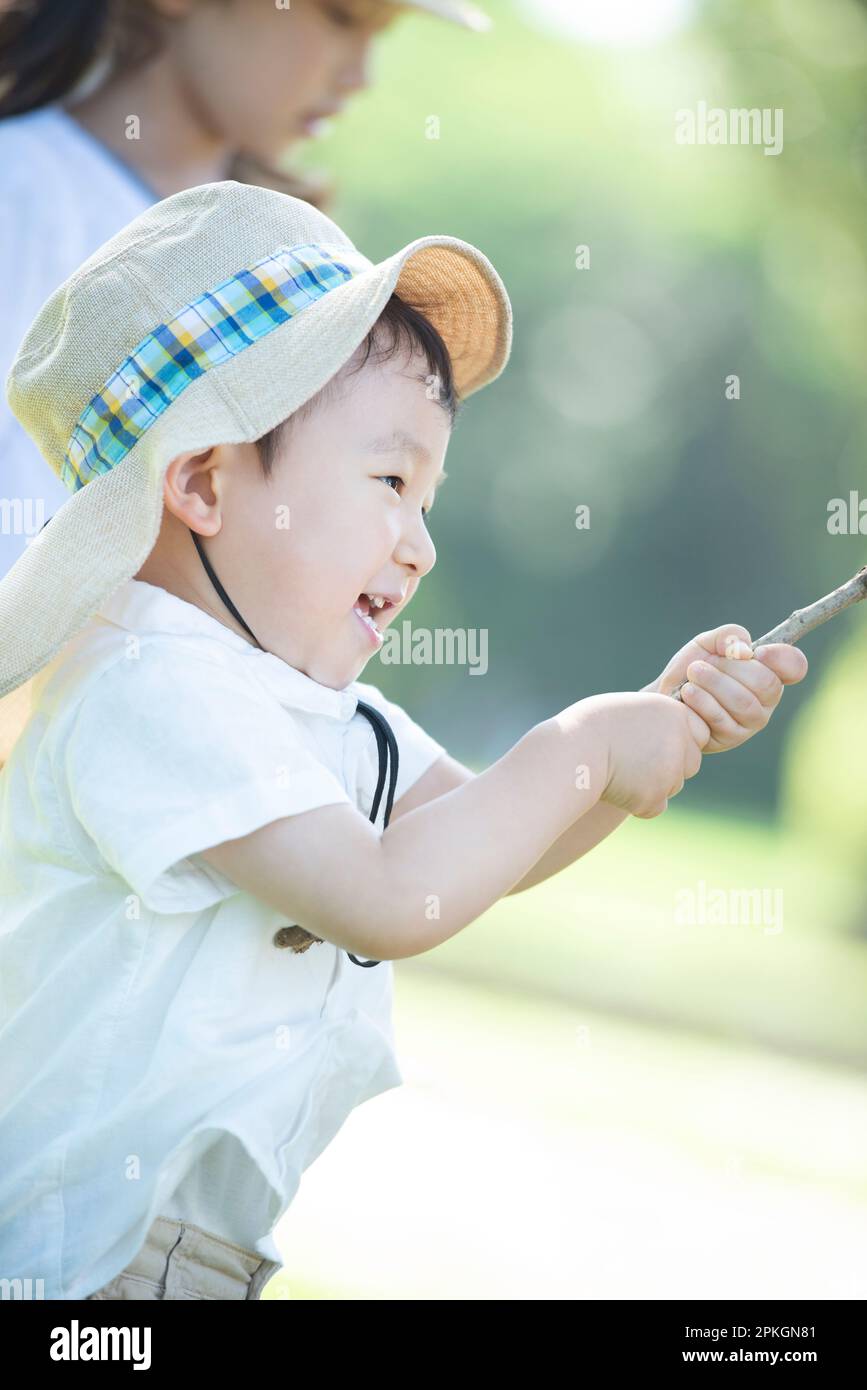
column 159, row 1055
column 62, row 194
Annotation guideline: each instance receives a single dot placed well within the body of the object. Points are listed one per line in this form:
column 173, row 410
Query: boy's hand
column 734, row 689
column 652, row 744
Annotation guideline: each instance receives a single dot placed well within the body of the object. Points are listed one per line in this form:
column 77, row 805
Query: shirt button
column 296, row 937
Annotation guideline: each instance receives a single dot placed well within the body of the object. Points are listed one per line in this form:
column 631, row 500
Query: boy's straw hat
column 208, row 319
column 468, row 15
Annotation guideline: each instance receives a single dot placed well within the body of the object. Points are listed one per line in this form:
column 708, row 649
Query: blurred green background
column 600, row 1102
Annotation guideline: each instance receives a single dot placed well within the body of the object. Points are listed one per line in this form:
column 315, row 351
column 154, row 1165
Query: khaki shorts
column 178, row 1260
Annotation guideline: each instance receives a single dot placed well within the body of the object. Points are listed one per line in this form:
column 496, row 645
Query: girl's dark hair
column 403, row 324
column 47, row 47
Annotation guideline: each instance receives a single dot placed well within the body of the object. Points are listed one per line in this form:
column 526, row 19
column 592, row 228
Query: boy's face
column 341, row 515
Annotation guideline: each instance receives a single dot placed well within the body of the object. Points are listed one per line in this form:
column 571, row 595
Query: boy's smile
column 302, row 553
column 373, row 609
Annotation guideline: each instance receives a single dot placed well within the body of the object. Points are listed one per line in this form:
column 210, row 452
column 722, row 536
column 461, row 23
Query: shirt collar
column 146, row 608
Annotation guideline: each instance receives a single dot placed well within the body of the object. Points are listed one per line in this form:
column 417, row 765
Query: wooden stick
column 803, row 620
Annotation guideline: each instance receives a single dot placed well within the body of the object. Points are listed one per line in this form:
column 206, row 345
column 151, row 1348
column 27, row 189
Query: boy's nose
column 355, row 73
column 417, row 551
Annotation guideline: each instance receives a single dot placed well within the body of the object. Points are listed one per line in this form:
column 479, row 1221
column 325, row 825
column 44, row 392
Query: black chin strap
column 220, row 590
column 386, row 743
column 386, row 747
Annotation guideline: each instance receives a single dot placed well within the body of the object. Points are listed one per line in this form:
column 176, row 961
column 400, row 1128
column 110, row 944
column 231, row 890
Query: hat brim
column 101, row 537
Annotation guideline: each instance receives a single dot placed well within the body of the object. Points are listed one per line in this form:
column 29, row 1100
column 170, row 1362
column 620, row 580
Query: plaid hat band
column 209, row 331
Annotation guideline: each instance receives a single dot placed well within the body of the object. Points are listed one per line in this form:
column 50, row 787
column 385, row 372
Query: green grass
column 540, row 1149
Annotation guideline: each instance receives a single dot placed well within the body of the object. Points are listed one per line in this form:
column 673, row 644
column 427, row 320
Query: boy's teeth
column 365, row 617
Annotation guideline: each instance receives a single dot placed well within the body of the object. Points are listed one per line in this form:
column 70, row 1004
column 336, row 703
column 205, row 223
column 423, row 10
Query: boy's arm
column 436, row 868
column 729, row 689
column 577, row 840
column 581, row 837
column 735, row 695
column 447, row 773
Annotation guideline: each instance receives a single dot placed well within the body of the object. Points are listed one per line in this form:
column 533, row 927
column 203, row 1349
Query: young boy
column 204, row 878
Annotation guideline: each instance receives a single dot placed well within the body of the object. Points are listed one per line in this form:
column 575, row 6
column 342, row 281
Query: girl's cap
column 208, row 319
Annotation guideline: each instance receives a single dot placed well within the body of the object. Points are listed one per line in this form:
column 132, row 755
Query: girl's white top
column 62, row 194
column 159, row 1054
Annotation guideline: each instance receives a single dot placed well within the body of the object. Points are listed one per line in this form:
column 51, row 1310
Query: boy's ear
column 189, row 492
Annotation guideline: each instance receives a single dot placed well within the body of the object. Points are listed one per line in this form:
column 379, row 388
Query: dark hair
column 48, row 46
column 404, row 324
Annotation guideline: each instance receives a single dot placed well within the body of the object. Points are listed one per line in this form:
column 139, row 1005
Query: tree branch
column 803, row 620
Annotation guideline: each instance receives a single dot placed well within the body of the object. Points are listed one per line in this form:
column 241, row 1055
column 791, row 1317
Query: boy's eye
column 386, row 477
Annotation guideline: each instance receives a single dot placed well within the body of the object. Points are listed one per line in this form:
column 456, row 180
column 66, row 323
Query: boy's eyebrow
column 397, row 440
